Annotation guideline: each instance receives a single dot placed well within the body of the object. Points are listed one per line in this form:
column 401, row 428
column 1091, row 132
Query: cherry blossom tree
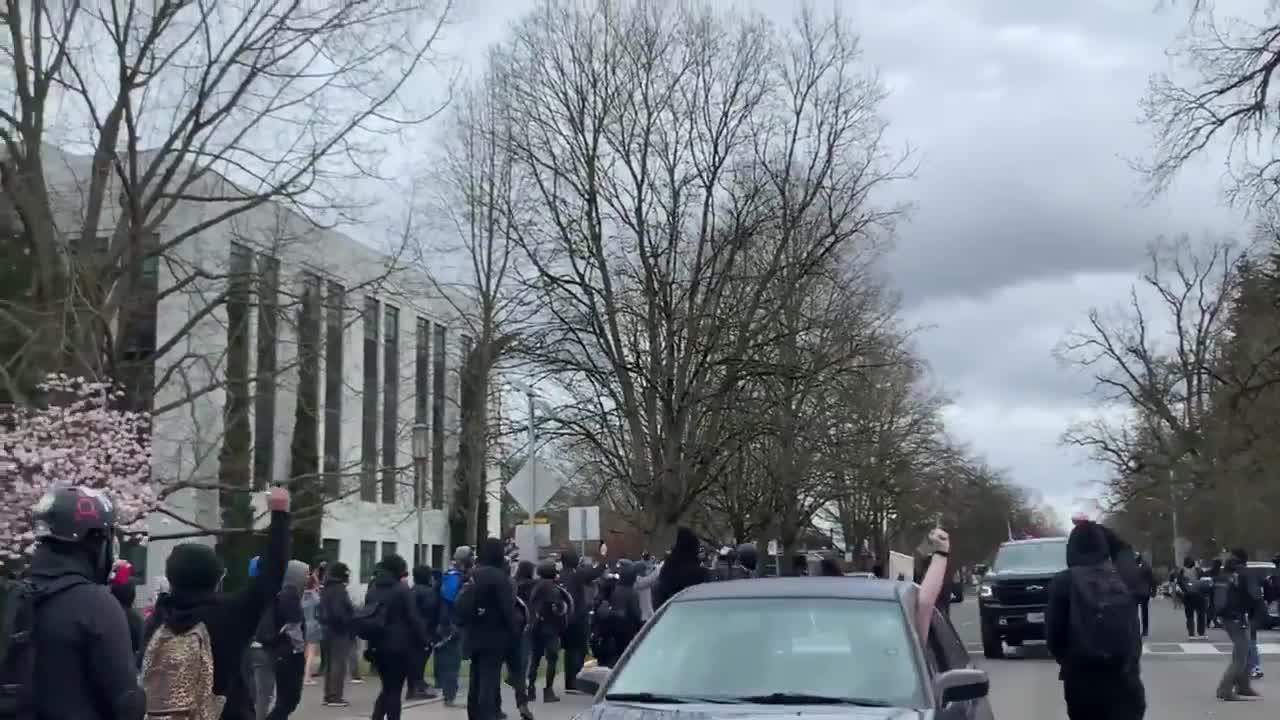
column 76, row 438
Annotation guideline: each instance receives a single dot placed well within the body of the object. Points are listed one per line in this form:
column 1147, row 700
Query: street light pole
column 533, row 449
column 421, row 452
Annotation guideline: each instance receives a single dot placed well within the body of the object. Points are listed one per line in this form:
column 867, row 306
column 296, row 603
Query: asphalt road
column 1180, row 676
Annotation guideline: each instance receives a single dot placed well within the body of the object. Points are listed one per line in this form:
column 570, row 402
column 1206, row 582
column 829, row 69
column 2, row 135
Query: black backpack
column 370, row 622
column 1227, row 595
column 1103, row 617
column 18, row 664
column 466, row 605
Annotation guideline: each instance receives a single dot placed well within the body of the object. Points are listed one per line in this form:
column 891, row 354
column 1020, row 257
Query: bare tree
column 682, row 160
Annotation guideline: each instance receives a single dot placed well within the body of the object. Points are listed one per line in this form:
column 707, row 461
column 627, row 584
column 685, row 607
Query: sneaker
column 337, row 703
column 550, row 696
column 525, row 712
column 357, row 681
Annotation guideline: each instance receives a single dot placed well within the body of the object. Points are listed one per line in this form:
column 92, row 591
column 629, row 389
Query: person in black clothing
column 195, row 577
column 1241, row 596
column 681, row 570
column 627, row 619
column 748, row 558
column 402, row 637
column 336, row 613
column 518, row 659
column 577, row 633
column 830, row 568
column 427, row 597
column 490, row 631
column 1215, row 569
column 548, row 617
column 1186, row 584
column 1092, row 691
column 84, row 660
column 1146, row 588
column 126, row 593
column 288, row 643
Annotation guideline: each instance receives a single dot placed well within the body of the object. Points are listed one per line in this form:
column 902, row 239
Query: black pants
column 484, row 685
column 544, row 644
column 418, row 671
column 517, row 669
column 335, row 671
column 575, row 652
column 289, row 670
column 1104, row 695
column 1144, row 610
column 1193, row 609
column 393, row 670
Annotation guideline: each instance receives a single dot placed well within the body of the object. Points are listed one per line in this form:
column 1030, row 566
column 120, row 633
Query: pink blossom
column 79, row 439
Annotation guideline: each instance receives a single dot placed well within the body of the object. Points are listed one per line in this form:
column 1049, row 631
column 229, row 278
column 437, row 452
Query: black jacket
column 231, row 618
column 85, row 668
column 405, row 631
column 336, row 608
column 626, row 604
column 1087, row 545
column 427, row 599
column 498, row 625
column 575, row 579
column 681, row 570
column 127, row 594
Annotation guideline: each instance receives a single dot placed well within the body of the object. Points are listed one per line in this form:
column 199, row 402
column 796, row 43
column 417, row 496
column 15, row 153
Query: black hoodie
column 85, row 667
column 575, row 580
column 405, row 630
column 682, row 568
column 498, row 625
column 1088, row 544
column 127, row 593
column 626, row 601
column 230, row 618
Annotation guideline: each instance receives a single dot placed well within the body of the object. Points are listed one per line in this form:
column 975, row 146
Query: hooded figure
column 403, row 633
column 626, row 605
column 490, row 625
column 549, row 611
column 577, row 580
column 682, row 568
column 195, row 576
column 1091, row 689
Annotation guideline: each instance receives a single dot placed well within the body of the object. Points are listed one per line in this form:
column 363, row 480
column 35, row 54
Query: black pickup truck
column 1013, row 595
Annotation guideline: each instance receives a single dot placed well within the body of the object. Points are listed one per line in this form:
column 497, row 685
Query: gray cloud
column 1026, row 213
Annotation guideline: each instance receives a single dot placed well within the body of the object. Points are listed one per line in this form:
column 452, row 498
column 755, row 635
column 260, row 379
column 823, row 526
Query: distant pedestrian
column 1186, row 585
column 336, row 613
column 1233, row 604
column 448, row 645
column 394, row 644
column 1146, row 588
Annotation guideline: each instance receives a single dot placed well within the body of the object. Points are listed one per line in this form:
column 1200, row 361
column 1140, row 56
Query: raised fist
column 278, row 499
column 940, row 541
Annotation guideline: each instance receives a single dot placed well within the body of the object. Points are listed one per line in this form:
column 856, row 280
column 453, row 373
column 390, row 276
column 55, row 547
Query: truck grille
column 1023, row 592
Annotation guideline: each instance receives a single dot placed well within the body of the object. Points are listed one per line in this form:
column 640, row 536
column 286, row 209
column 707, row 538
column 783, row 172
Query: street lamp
column 421, row 451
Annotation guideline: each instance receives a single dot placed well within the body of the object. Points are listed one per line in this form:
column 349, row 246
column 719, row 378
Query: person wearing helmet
column 725, row 560
column 80, row 663
column 550, row 608
column 748, row 557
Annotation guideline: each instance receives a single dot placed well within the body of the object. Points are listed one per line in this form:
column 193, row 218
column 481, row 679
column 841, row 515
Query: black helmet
column 547, row 569
column 747, row 556
column 73, row 514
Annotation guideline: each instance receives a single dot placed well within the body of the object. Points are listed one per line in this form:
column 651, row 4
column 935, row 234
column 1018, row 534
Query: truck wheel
column 992, row 645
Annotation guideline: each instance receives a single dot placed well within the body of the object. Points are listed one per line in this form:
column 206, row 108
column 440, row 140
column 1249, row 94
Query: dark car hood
column 643, row 711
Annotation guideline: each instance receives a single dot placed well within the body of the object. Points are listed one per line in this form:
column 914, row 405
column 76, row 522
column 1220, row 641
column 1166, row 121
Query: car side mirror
column 961, row 685
column 591, row 679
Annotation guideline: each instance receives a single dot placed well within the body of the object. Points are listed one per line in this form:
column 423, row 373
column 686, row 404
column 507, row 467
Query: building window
column 137, row 326
column 420, row 553
column 331, row 550
column 264, row 401
column 369, row 419
column 389, row 548
column 437, row 557
column 304, row 451
column 333, row 359
column 421, row 370
column 368, row 559
column 437, row 419
column 390, row 401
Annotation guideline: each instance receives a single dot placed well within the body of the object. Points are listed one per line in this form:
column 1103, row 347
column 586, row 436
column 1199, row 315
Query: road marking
column 1197, row 649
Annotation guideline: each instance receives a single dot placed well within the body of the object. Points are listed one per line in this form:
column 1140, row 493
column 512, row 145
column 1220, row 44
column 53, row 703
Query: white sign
column 530, row 537
column 773, row 547
column 584, row 523
column 534, row 485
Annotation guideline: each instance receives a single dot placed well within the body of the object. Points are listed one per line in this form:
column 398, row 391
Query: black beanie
column 193, row 567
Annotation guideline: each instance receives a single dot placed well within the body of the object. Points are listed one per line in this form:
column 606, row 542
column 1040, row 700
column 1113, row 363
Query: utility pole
column 533, row 450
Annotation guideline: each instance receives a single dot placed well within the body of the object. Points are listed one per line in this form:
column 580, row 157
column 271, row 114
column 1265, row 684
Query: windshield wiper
column 648, row 697
column 782, row 698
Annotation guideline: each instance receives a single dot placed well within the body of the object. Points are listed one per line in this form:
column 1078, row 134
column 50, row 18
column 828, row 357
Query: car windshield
column 1031, row 557
column 853, row 650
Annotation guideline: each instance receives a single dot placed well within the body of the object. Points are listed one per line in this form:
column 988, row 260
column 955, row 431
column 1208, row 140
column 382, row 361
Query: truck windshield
column 1031, row 557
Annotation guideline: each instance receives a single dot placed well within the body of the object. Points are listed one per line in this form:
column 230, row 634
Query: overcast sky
column 1022, row 114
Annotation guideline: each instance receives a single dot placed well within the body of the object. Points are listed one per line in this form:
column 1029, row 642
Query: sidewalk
column 360, row 696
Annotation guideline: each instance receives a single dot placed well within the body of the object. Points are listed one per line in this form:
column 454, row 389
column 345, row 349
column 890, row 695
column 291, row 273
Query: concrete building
column 367, row 338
